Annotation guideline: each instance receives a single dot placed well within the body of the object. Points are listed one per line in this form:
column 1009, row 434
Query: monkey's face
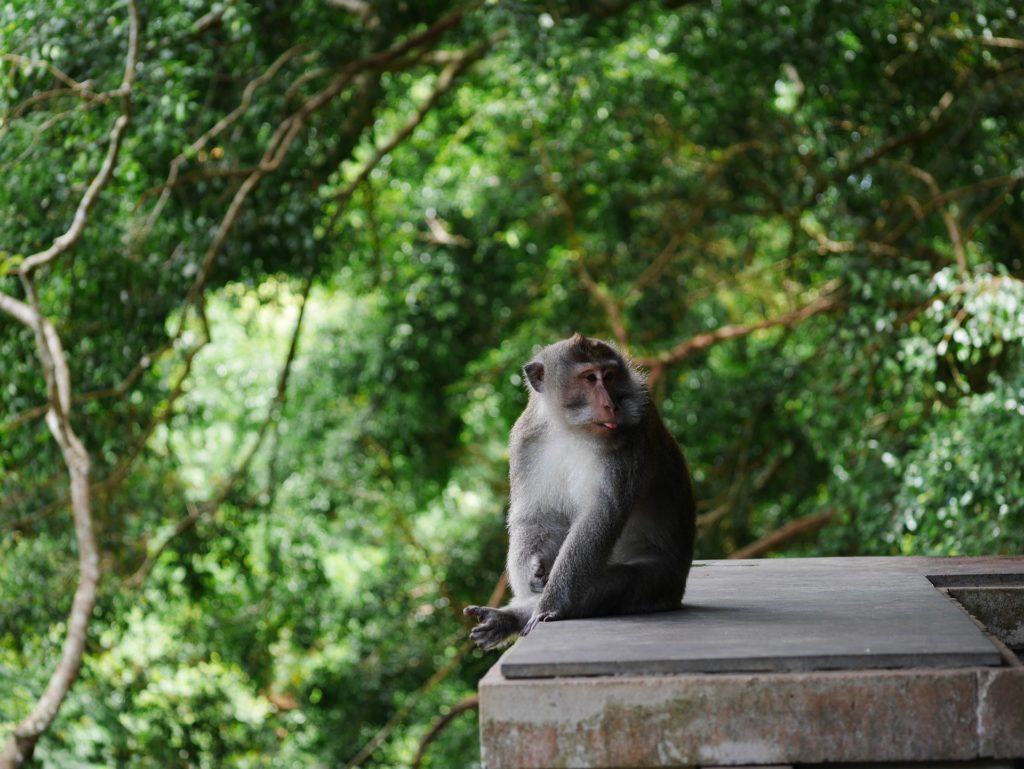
column 587, row 385
column 591, row 398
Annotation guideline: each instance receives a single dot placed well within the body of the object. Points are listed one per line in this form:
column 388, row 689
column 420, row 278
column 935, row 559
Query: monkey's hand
column 541, row 615
column 494, row 627
column 538, row 574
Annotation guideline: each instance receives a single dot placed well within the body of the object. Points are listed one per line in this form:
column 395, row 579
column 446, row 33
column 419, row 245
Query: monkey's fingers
column 487, row 636
column 540, row 616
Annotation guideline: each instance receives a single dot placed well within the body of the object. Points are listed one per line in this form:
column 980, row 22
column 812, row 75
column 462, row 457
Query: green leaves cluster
column 624, row 169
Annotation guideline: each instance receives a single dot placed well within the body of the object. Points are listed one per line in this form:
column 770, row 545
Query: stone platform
column 798, row 661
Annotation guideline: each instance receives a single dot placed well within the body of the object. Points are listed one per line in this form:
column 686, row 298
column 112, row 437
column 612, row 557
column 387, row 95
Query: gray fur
column 600, row 522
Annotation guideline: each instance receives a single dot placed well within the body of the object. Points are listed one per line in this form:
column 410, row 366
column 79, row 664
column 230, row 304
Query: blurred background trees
column 333, row 231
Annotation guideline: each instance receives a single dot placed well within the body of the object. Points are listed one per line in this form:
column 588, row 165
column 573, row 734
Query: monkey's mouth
column 609, row 425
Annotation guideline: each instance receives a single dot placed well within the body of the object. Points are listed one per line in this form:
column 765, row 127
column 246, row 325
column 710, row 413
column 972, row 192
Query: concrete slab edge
column 734, row 719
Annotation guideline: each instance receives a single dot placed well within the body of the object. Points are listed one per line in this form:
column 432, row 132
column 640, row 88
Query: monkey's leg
column 637, row 586
column 580, row 564
column 496, row 625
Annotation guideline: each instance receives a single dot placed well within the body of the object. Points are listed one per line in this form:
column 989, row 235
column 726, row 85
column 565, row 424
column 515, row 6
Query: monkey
column 602, row 514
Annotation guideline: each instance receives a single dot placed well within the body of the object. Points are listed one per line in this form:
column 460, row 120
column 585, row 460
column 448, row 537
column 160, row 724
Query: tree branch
column 442, row 723
column 74, row 232
column 595, row 289
column 955, row 239
column 782, row 537
column 413, row 699
column 445, row 81
column 272, row 417
column 21, row 743
column 696, row 212
column 212, row 133
column 829, row 302
column 289, row 129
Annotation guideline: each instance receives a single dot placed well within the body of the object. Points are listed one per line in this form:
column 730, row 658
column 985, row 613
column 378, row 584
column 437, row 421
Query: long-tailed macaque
column 602, row 513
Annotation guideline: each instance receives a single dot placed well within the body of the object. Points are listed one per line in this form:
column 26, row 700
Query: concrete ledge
column 727, row 720
column 922, row 710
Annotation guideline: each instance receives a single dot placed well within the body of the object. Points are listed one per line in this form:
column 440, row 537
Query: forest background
column 269, row 270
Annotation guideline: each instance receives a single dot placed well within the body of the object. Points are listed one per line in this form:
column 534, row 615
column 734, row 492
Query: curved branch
column 785, row 535
column 272, row 417
column 212, row 133
column 59, row 74
column 117, row 133
column 827, row 303
column 444, row 83
column 654, row 270
column 439, row 675
column 469, row 703
column 289, row 129
column 21, row 743
column 952, row 228
column 595, row 289
column 385, row 731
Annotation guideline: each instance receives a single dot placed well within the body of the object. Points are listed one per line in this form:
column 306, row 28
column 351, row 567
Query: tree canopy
column 269, row 271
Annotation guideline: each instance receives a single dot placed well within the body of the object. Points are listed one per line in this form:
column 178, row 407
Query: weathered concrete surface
column 742, row 616
column 1001, row 713
column 773, row 615
column 686, row 720
column 999, row 608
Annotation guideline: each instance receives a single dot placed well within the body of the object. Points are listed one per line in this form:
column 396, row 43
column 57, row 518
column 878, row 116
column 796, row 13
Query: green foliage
column 615, row 168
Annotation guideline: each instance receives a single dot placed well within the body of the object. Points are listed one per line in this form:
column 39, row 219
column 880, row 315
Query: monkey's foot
column 541, row 616
column 495, row 626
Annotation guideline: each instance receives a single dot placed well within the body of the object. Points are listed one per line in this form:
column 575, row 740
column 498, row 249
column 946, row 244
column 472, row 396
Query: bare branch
column 272, row 417
column 951, row 225
column 41, row 96
column 926, row 128
column 59, row 74
column 1001, row 42
column 921, row 210
column 828, row 246
column 74, row 232
column 209, row 20
column 120, row 471
column 360, row 8
column 215, row 131
column 184, row 525
column 444, row 83
column 20, row 744
column 440, row 234
column 289, row 129
column 785, row 535
column 994, row 205
column 18, row 310
column 826, row 303
column 600, row 295
column 442, row 723
column 413, row 699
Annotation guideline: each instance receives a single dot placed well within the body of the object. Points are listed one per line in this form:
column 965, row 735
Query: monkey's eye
column 609, row 375
column 590, row 377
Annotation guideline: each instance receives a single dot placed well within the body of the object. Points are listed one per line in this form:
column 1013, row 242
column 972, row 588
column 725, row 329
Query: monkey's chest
column 569, row 475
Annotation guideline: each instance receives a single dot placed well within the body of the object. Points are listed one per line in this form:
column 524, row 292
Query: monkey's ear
column 535, row 375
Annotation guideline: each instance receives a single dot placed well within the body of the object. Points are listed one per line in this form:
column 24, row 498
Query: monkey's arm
column 581, row 561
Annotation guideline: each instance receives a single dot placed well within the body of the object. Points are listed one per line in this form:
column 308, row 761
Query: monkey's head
column 588, row 386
